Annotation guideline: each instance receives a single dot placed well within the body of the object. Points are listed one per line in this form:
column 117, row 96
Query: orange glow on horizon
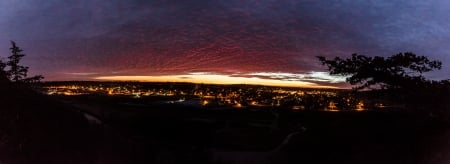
column 213, row 79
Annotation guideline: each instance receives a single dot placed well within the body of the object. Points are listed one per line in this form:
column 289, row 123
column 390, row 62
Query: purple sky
column 267, row 39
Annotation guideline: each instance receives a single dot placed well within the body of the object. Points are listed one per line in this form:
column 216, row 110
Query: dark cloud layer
column 162, row 37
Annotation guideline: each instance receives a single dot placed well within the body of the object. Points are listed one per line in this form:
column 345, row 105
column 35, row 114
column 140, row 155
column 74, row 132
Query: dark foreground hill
column 34, row 129
column 41, row 129
column 37, row 129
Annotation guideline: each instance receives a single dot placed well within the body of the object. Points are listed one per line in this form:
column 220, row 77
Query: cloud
column 215, row 79
column 82, row 73
column 310, row 76
column 169, row 37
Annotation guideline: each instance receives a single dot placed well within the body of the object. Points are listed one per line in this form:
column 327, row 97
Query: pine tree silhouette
column 15, row 71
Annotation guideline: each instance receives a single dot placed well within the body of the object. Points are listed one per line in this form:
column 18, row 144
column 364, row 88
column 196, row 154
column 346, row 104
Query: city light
column 212, row 96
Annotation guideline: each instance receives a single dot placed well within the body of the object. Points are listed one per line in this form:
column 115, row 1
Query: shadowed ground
column 95, row 129
column 38, row 129
column 178, row 133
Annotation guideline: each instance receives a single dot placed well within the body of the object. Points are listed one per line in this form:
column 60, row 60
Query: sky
column 218, row 41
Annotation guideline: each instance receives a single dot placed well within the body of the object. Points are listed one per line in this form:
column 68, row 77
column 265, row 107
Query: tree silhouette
column 403, row 70
column 14, row 71
column 2, row 66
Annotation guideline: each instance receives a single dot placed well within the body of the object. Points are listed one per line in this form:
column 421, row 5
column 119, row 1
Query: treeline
column 398, row 77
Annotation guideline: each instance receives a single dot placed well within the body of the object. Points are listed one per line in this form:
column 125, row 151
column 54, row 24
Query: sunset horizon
column 267, row 42
column 224, row 81
column 306, row 80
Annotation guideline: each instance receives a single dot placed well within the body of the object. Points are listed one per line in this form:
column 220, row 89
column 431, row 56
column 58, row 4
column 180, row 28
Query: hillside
column 45, row 129
column 37, row 129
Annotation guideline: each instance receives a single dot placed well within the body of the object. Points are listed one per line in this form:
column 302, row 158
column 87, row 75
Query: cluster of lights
column 219, row 96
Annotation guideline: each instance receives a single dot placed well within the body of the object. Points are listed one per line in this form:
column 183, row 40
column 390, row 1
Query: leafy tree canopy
column 403, row 70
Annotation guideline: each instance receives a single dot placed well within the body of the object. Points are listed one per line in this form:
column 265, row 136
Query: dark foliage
column 403, row 70
column 399, row 76
column 13, row 70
